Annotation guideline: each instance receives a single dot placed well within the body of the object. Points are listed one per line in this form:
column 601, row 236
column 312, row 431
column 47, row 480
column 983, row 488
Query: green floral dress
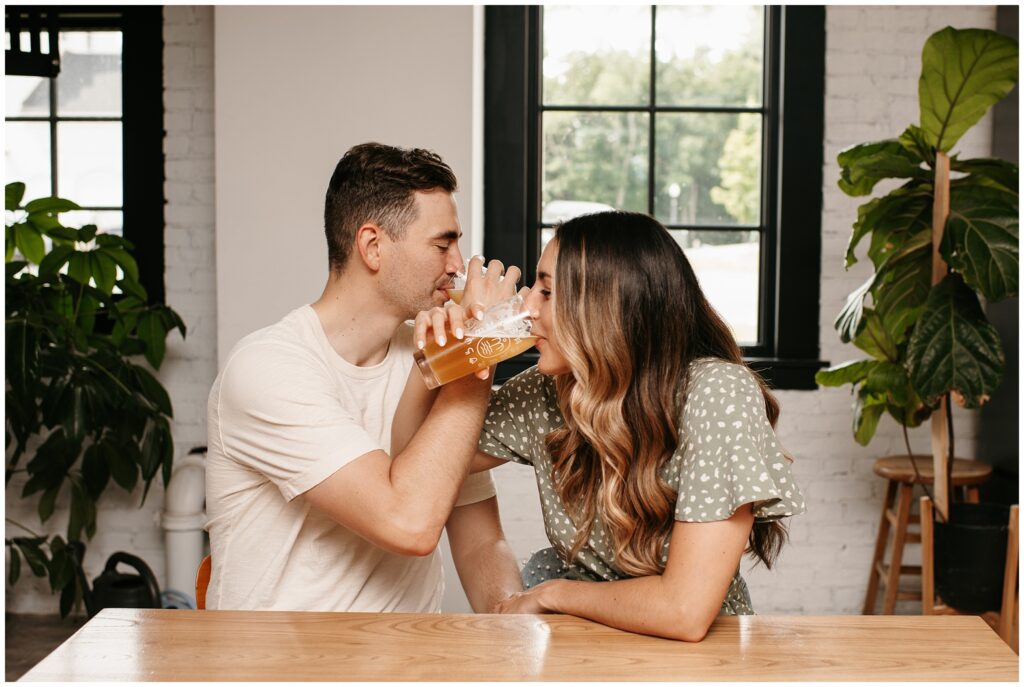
column 728, row 456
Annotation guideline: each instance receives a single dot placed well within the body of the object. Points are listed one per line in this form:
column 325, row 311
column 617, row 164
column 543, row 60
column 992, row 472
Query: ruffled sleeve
column 728, row 454
column 517, row 419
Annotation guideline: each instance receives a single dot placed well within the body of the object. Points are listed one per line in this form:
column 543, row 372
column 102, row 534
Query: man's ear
column 368, row 244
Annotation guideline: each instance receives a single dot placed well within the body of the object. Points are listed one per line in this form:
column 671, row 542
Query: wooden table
column 131, row 644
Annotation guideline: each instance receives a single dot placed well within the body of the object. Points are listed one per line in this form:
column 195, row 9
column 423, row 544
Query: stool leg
column 972, row 494
column 880, row 542
column 896, row 559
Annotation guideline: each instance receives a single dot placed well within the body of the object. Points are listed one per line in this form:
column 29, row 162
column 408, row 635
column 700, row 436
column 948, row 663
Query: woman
column 652, row 442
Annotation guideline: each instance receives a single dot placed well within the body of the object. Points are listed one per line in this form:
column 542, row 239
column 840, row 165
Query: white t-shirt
column 285, row 413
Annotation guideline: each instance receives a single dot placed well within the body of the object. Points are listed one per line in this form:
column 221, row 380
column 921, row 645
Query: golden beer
column 442, row 364
column 455, row 295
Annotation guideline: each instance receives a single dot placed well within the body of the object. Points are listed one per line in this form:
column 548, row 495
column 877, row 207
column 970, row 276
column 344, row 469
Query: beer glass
column 459, row 282
column 502, row 332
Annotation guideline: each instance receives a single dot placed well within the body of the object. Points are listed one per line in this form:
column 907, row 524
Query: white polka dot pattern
column 728, row 456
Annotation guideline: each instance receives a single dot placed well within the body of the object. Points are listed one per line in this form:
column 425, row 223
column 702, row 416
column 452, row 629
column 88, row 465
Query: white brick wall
column 872, row 66
column 190, row 365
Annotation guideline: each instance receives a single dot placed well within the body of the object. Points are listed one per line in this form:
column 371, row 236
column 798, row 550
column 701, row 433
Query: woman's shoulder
column 529, row 387
column 710, row 375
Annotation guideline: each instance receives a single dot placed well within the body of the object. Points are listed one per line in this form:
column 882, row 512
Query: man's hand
column 539, row 599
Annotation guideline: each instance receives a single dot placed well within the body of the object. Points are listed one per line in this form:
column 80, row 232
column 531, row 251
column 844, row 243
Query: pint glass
column 503, row 332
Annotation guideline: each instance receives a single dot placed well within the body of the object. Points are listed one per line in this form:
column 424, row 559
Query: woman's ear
column 368, row 244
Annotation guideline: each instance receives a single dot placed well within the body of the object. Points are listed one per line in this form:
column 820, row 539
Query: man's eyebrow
column 543, row 275
column 451, row 235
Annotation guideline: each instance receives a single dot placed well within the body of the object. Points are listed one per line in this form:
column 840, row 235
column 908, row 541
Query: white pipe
column 183, row 519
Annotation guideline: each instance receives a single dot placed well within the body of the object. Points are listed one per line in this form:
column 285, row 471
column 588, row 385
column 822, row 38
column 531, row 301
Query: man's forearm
column 485, row 562
column 427, row 474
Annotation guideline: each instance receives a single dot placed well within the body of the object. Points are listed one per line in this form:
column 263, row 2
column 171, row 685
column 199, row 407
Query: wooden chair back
column 203, row 581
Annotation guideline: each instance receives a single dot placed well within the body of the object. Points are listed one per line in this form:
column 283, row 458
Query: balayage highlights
column 630, row 318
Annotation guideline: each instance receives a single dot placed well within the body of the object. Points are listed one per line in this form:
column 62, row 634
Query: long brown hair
column 630, row 317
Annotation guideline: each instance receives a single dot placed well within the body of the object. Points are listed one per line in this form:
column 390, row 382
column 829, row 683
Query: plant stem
column 18, row 524
column 917, row 475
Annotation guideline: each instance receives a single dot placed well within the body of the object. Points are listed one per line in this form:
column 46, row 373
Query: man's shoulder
column 281, row 350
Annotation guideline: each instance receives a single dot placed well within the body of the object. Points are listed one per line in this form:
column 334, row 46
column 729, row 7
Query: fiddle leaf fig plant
column 79, row 325
column 924, row 341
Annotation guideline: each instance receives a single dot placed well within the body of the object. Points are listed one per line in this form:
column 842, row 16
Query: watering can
column 113, row 589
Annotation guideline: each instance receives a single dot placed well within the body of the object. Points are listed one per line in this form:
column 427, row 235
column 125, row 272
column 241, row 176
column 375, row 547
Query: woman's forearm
column 646, row 605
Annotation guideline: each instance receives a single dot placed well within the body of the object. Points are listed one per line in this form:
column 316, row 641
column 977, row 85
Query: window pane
column 106, row 221
column 89, row 83
column 727, row 264
column 595, row 157
column 89, row 162
column 26, row 96
column 27, row 157
column 597, row 55
column 709, row 55
column 25, row 41
column 708, row 168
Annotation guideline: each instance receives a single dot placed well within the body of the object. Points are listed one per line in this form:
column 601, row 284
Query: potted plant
column 78, row 322
column 937, row 243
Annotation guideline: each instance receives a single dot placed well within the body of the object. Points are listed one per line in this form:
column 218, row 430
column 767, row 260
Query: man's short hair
column 375, row 183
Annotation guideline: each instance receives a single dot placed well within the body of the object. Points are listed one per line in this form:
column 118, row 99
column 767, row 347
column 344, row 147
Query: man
column 331, row 469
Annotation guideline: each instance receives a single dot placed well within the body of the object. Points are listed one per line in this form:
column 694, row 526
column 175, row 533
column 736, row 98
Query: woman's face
column 541, row 304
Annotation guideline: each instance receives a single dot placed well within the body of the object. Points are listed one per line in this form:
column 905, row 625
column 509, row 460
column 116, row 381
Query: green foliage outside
column 78, row 323
column 926, row 341
column 714, row 157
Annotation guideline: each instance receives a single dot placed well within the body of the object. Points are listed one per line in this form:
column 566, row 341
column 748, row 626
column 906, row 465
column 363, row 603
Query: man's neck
column 358, row 323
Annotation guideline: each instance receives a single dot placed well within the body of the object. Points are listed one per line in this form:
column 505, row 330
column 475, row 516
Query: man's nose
column 455, row 261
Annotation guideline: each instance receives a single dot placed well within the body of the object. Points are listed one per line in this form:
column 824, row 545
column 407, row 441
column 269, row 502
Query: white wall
column 297, row 87
column 281, row 125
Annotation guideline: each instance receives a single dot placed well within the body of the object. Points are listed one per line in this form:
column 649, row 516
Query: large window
column 94, row 132
column 676, row 111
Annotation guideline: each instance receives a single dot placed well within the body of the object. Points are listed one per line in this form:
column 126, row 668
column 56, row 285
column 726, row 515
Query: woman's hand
column 484, row 290
column 539, row 599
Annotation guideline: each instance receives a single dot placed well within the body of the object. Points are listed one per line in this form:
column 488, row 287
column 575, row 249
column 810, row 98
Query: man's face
column 418, row 269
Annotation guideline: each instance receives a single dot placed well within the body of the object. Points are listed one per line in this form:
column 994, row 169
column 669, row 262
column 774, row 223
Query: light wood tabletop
column 142, row 645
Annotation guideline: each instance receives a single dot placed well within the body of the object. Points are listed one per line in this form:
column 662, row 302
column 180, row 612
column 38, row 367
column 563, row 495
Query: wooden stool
column 966, row 474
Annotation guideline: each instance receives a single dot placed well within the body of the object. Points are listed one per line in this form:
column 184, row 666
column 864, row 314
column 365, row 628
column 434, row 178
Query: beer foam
column 507, row 319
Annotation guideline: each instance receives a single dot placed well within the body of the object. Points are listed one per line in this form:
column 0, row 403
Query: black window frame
column 791, row 185
column 142, row 126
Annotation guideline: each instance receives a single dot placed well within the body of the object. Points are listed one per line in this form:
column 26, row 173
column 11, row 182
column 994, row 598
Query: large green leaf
column 867, row 410
column 13, row 193
column 51, row 204
column 123, row 463
column 999, row 173
column 901, row 288
column 848, row 322
column 153, row 390
column 874, row 339
column 916, row 141
column 862, row 166
column 904, row 229
column 104, row 270
column 954, row 347
column 151, row 330
column 897, row 215
column 982, row 241
column 30, row 242
column 963, row 74
column 851, row 372
column 55, row 259
column 888, row 379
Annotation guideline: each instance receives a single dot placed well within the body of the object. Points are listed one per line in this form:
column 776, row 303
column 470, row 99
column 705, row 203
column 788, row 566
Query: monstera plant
column 943, row 238
column 78, row 326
